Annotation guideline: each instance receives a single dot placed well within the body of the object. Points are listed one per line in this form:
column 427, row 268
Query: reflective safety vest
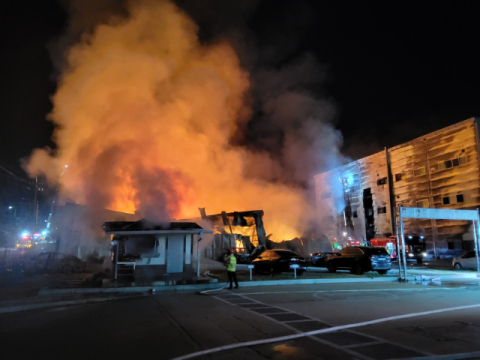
column 231, row 261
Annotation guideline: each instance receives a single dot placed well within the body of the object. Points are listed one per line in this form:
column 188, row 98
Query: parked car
column 466, row 261
column 54, row 262
column 278, row 261
column 318, row 259
column 442, row 254
column 360, row 259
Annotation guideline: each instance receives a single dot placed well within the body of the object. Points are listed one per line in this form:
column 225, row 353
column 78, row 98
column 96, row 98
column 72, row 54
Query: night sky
column 396, row 70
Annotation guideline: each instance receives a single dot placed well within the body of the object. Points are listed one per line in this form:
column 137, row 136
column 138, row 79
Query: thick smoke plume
column 149, row 119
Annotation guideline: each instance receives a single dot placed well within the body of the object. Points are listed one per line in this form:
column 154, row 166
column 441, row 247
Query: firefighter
column 231, row 262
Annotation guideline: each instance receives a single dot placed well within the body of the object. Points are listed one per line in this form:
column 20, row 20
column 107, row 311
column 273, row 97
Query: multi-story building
column 438, row 170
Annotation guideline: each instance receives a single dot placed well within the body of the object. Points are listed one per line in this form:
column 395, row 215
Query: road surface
column 168, row 325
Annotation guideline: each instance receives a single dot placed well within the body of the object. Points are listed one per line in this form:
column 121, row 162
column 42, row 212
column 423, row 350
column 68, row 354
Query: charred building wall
column 439, row 170
column 364, row 185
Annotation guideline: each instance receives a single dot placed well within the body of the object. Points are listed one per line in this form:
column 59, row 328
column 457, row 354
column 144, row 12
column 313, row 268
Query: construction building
column 359, row 201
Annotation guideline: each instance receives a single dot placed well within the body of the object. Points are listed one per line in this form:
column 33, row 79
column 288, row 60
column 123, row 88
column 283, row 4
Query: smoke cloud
column 151, row 119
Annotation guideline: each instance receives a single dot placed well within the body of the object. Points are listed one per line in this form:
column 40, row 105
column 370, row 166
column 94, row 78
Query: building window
column 446, row 200
column 419, row 172
column 355, row 214
column 382, row 181
column 450, row 163
column 398, row 177
column 326, row 195
column 382, row 210
column 422, row 203
column 459, row 198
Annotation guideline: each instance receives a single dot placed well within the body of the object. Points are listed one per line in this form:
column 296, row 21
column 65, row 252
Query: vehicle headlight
column 424, row 254
column 411, row 255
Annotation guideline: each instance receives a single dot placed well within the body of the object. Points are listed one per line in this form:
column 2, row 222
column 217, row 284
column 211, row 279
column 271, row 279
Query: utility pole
column 35, row 207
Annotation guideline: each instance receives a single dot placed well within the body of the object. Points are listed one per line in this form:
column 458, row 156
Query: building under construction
column 359, row 201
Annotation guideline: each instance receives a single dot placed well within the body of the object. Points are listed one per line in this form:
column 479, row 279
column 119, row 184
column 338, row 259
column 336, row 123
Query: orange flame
column 144, row 115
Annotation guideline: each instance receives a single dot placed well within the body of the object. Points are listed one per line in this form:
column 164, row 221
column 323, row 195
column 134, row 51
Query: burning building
column 244, row 231
column 359, row 201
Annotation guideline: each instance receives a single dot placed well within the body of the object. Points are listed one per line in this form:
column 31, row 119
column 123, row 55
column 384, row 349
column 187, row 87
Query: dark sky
column 396, row 70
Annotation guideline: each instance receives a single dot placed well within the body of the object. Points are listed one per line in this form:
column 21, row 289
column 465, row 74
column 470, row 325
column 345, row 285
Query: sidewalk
column 53, row 290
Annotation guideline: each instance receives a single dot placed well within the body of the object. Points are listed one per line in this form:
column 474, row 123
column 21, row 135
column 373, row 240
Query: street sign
column 438, row 214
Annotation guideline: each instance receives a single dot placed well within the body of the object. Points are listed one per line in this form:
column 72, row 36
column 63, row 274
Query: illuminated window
column 459, row 198
column 446, row 200
column 419, row 172
column 422, row 203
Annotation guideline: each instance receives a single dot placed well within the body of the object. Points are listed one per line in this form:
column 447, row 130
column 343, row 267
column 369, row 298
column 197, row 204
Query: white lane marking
column 380, row 297
column 342, row 348
column 360, row 290
column 329, row 343
column 322, row 331
column 287, row 324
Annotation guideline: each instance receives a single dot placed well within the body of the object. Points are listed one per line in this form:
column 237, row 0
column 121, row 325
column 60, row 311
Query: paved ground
column 173, row 324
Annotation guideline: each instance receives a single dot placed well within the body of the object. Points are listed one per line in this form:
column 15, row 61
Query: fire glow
column 144, row 116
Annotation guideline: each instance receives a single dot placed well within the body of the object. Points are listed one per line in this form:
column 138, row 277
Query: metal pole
column 403, row 244
column 475, row 236
column 35, row 206
column 116, row 260
column 398, row 250
column 198, row 254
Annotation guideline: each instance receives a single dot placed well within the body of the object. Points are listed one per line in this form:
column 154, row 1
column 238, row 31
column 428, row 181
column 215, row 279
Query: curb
column 34, row 306
column 196, row 287
column 144, row 290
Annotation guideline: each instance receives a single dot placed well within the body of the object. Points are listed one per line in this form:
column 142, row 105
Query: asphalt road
column 168, row 325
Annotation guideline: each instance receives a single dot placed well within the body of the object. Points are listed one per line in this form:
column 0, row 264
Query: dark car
column 272, row 261
column 360, row 259
column 318, row 259
column 53, row 262
column 243, row 258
